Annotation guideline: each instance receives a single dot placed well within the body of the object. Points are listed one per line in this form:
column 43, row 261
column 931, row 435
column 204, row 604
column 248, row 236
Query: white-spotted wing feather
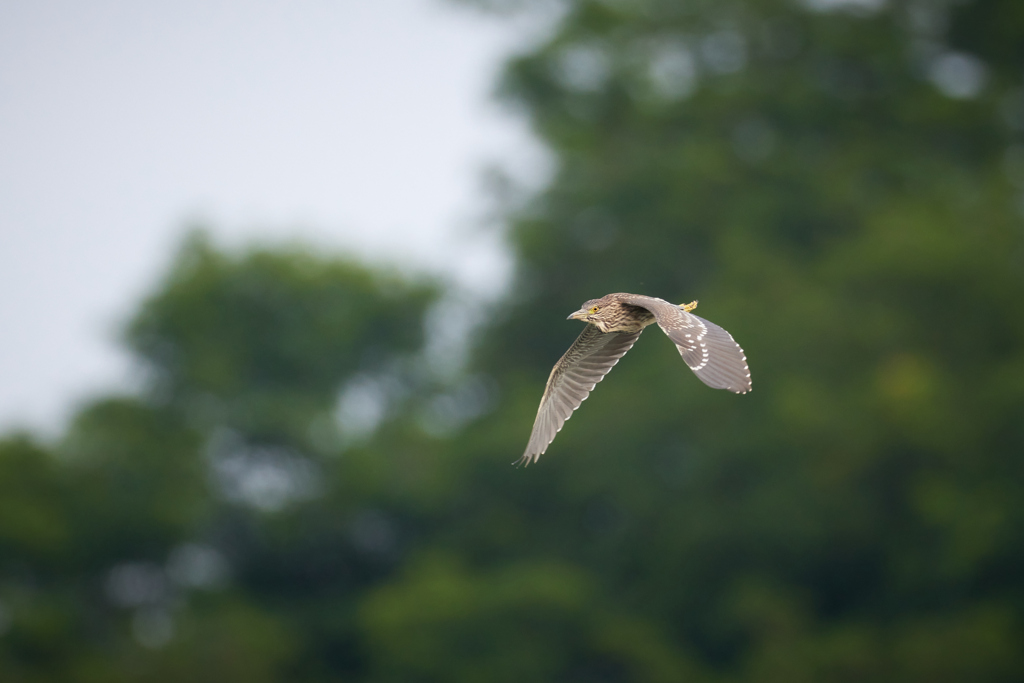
column 710, row 351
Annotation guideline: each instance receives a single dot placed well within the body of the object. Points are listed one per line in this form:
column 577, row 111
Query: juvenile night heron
column 613, row 324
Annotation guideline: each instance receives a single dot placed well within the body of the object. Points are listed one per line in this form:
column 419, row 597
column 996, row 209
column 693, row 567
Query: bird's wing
column 572, row 379
column 711, row 352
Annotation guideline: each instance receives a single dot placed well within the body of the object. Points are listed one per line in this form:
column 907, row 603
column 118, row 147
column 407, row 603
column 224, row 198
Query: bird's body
column 614, row 322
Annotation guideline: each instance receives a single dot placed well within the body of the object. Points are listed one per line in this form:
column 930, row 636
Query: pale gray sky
column 356, row 124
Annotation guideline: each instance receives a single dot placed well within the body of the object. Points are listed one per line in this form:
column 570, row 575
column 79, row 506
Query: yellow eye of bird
column 595, row 309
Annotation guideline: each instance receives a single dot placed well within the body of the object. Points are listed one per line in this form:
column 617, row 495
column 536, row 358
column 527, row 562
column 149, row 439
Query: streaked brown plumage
column 614, row 322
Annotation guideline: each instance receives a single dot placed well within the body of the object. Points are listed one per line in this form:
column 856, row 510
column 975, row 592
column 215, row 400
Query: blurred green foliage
column 294, row 496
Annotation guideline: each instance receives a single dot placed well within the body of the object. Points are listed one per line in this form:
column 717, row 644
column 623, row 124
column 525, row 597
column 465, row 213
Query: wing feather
column 710, row 351
column 572, row 379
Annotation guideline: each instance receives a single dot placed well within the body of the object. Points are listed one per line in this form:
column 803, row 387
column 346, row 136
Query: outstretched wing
column 711, row 352
column 572, row 379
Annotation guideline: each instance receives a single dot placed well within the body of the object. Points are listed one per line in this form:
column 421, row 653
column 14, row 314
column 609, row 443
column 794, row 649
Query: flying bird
column 614, row 322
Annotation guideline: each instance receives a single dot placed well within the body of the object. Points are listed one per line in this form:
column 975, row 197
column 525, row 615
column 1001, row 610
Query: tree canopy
column 292, row 495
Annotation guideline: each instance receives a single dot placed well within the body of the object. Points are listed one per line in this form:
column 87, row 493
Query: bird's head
column 589, row 311
column 611, row 313
column 608, row 313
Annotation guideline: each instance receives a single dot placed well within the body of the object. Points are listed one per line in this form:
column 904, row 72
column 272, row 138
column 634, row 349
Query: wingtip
column 525, row 460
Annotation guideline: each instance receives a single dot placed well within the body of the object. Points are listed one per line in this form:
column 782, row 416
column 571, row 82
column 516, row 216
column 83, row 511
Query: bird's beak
column 578, row 315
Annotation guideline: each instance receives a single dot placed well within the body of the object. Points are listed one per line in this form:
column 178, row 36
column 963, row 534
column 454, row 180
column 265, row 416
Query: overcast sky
column 360, row 125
